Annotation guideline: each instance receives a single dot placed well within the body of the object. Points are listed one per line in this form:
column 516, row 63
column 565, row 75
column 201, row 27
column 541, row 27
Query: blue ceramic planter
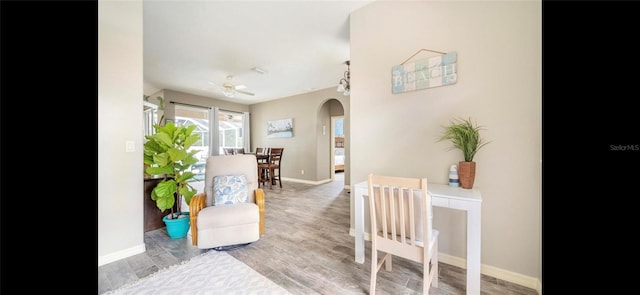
column 178, row 227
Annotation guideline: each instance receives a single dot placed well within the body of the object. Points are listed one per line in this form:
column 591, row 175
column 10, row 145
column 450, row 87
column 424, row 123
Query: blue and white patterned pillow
column 229, row 189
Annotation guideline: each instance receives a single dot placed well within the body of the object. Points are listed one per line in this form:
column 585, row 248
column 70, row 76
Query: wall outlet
column 302, row 171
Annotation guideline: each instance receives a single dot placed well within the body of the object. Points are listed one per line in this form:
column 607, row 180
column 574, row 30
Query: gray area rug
column 210, row 273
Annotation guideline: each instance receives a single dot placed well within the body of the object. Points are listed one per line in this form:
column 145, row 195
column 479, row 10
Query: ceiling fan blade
column 230, row 87
column 244, row 92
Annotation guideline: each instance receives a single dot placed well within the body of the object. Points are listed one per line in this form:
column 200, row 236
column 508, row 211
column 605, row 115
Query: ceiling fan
column 229, row 89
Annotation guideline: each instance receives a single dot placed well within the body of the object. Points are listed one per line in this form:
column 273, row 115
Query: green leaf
column 166, row 188
column 189, row 160
column 168, row 129
column 185, row 176
column 165, row 203
column 177, row 155
column 151, row 147
column 190, row 129
column 187, row 192
column 163, row 138
column 159, row 170
column 162, row 159
column 191, row 139
column 147, row 159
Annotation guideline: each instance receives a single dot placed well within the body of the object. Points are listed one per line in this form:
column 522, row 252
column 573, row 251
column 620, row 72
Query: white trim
column 102, row 260
column 246, row 131
column 307, row 181
column 346, row 187
column 214, row 124
column 492, row 271
column 150, row 104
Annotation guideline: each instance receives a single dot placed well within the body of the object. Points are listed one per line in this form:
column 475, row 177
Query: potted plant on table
column 166, row 153
column 465, row 136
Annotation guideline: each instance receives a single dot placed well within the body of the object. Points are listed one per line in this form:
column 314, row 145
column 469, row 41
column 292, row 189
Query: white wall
column 499, row 84
column 120, row 89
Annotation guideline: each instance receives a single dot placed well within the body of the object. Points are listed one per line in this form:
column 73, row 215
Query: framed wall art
column 280, row 128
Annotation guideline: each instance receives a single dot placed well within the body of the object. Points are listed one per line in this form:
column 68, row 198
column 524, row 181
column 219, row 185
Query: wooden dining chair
column 262, row 155
column 229, row 151
column 271, row 169
column 401, row 225
column 238, row 151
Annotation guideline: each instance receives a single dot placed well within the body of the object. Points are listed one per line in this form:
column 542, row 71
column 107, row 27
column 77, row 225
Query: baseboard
column 307, row 181
column 498, row 273
column 346, row 187
column 102, row 260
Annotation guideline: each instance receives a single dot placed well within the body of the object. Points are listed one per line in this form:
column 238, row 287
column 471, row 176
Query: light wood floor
column 306, row 249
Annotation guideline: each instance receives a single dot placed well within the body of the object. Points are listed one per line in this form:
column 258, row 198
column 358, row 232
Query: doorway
column 337, row 148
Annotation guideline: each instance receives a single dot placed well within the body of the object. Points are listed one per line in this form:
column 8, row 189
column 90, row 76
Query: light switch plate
column 130, row 146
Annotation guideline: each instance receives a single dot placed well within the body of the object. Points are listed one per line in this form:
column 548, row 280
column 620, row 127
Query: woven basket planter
column 467, row 174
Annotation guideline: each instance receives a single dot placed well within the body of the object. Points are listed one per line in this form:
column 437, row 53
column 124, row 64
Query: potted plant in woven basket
column 166, row 153
column 464, row 135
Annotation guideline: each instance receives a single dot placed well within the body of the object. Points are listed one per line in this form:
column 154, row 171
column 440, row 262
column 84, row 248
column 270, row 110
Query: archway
column 332, row 153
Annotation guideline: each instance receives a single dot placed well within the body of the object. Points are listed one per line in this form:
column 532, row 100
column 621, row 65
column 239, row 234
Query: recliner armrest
column 259, row 196
column 198, row 202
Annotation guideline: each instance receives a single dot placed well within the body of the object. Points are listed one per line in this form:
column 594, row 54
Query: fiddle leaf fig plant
column 166, row 153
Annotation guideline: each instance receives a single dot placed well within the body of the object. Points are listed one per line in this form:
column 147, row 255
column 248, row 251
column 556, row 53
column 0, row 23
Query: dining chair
column 238, row 151
column 270, row 171
column 401, row 225
column 262, row 155
column 229, row 151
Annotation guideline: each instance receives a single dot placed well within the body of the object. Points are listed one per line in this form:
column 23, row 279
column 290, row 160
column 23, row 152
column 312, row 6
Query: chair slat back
column 397, row 206
column 275, row 156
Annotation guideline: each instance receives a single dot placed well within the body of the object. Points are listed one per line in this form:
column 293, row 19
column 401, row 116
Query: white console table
column 468, row 200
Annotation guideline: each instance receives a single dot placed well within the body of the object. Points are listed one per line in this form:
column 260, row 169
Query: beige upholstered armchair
column 230, row 211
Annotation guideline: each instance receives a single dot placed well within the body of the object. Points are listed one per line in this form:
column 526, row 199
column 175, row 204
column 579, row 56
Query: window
column 199, row 117
column 230, row 130
column 150, row 112
column 201, row 128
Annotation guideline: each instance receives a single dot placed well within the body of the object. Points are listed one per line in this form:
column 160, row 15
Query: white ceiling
column 301, row 44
